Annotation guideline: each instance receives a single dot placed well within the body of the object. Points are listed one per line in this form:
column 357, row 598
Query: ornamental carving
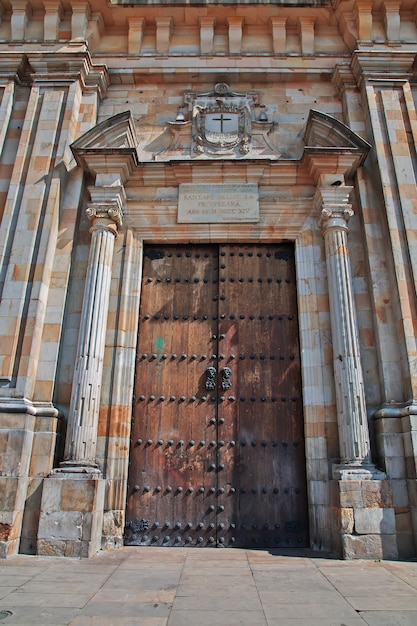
column 221, row 122
column 108, row 211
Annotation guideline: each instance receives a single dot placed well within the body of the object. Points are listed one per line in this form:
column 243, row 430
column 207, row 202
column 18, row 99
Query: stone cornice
column 383, row 66
column 55, row 67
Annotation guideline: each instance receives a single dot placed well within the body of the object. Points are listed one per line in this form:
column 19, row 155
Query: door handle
column 226, row 374
column 211, row 373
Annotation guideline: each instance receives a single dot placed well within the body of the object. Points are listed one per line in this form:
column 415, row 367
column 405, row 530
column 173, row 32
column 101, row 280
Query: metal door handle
column 226, row 374
column 211, row 373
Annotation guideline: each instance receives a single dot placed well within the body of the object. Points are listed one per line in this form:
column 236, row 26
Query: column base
column 73, row 468
column 71, row 516
column 346, row 471
column 363, row 516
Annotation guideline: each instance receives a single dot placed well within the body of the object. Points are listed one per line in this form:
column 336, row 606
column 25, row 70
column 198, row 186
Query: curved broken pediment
column 325, row 131
column 112, row 144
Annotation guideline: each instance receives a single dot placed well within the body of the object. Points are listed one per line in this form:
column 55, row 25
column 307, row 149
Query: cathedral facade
column 208, row 276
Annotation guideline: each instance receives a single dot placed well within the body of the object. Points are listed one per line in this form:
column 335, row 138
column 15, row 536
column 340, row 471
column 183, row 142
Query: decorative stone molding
column 164, row 26
column 19, row 19
column 279, row 34
column 135, row 36
column 206, row 34
column 306, row 33
column 107, row 206
column 52, row 18
column 235, row 25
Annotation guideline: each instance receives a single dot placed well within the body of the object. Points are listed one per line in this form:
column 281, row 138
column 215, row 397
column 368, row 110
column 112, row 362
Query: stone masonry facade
column 99, row 128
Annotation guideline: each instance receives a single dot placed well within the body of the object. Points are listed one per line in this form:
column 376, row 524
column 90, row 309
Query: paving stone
column 387, row 602
column 83, row 620
column 40, row 587
column 302, row 597
column 50, row 600
column 220, row 618
column 227, row 601
column 309, row 611
column 40, row 616
column 128, row 609
column 390, row 618
column 138, row 595
column 258, row 590
column 335, row 621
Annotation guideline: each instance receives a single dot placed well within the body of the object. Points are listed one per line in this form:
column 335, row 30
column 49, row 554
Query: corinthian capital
column 333, row 206
column 106, row 206
column 109, row 211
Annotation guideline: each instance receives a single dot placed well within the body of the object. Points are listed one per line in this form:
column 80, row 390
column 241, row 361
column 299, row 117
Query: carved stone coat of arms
column 221, row 122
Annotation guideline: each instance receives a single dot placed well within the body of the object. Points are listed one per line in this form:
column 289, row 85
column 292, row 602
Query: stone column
column 335, row 212
column 105, row 213
column 72, row 506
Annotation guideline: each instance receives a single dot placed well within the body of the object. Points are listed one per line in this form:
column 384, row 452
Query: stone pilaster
column 350, row 398
column 105, row 213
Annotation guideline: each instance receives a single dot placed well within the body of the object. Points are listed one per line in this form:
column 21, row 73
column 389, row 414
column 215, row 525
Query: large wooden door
column 217, row 454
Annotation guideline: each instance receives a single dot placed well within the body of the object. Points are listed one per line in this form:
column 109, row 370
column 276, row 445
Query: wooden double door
column 217, row 454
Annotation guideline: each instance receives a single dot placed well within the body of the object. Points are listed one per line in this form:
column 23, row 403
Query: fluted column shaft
column 105, row 213
column 354, row 443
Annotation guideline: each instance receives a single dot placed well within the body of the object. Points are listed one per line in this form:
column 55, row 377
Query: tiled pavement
column 199, row 587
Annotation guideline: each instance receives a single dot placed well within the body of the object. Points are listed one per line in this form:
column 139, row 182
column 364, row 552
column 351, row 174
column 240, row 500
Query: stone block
column 400, row 496
column 395, row 466
column 406, row 545
column 410, row 465
column 388, row 425
column 350, row 493
column 346, row 520
column 71, row 517
column 319, row 492
column 403, row 520
column 374, row 521
column 376, row 493
column 77, row 495
column 61, row 525
column 391, row 444
column 51, row 547
column 369, row 547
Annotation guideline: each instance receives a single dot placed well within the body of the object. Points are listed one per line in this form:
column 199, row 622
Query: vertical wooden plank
column 170, row 457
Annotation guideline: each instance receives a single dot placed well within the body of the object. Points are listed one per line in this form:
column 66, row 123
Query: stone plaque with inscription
column 217, row 203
